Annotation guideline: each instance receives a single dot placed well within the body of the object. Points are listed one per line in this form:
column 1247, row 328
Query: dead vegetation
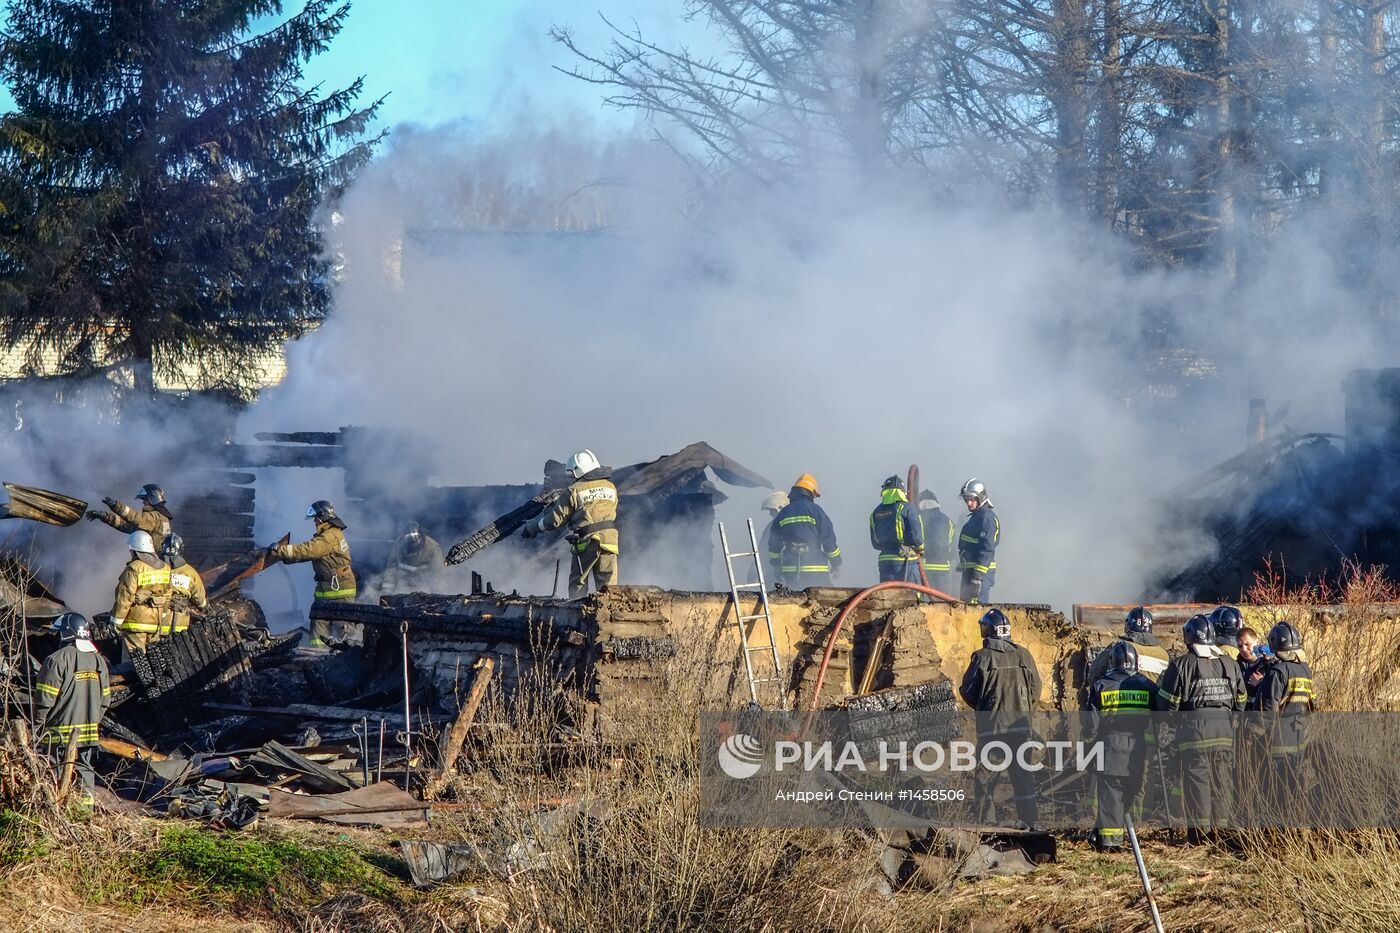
column 577, row 835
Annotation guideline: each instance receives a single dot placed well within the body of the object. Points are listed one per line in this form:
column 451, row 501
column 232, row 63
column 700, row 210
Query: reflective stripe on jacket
column 939, row 537
column 329, row 554
column 142, row 601
column 977, row 544
column 589, row 509
column 71, row 695
column 803, row 539
column 894, row 526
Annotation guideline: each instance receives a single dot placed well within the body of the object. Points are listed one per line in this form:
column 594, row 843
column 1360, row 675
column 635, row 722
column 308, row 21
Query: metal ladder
column 766, row 615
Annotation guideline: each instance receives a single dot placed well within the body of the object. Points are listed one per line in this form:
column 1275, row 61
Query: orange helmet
column 808, row 482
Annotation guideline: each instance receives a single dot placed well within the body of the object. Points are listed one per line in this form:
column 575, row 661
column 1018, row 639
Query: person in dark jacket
column 1207, row 689
column 940, row 542
column 977, row 544
column 1002, row 684
column 71, row 696
column 897, row 533
column 1253, row 656
column 1285, row 696
column 802, row 548
column 1120, row 703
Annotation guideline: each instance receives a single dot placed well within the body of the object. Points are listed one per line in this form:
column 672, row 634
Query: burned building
column 1305, row 505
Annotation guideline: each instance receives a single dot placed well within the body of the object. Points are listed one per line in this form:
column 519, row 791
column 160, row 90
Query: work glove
column 530, row 531
column 110, row 503
column 974, row 601
column 276, row 552
column 90, row 515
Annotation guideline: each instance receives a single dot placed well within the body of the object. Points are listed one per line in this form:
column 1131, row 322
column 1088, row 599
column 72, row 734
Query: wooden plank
column 451, row 745
column 277, row 755
column 310, row 711
column 1110, row 617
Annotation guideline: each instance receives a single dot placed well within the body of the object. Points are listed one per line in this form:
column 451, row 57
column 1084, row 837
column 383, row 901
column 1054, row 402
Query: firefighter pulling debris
column 154, row 517
column 414, row 564
column 329, row 554
column 589, row 508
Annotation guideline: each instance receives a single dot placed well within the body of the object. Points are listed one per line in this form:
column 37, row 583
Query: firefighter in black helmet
column 1002, row 684
column 1284, row 699
column 1137, row 630
column 329, row 554
column 1206, row 688
column 1121, row 704
column 897, row 533
column 1228, row 622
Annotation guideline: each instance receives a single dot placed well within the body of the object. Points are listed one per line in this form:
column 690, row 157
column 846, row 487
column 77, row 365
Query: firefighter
column 1121, row 704
column 71, row 696
column 1002, row 684
column 773, row 503
column 803, row 548
column 940, row 538
column 186, row 586
column 897, row 533
column 1137, row 630
column 141, row 610
column 414, row 562
column 977, row 544
column 590, row 510
column 1286, row 697
column 1207, row 688
column 1228, row 622
column 329, row 554
column 154, row 517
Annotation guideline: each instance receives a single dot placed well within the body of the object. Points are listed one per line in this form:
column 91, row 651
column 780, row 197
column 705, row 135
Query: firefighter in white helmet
column 141, row 610
column 590, row 510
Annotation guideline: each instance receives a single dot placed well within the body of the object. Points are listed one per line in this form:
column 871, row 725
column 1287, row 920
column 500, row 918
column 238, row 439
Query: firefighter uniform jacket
column 329, row 554
column 1287, row 692
column 1207, row 686
column 590, row 509
column 939, row 535
column 1152, row 657
column 803, row 539
column 126, row 520
column 72, row 694
column 894, row 526
column 977, row 544
column 406, row 557
column 1001, row 678
column 1121, row 705
column 186, row 590
column 143, row 596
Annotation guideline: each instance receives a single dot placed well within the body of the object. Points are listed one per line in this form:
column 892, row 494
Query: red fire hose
column 841, row 620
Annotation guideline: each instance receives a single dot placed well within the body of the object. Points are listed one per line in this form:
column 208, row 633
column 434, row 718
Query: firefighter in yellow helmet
column 803, row 545
column 141, row 609
column 186, row 586
column 590, row 510
column 329, row 554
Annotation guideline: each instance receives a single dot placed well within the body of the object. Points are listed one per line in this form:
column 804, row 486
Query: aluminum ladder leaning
column 745, row 649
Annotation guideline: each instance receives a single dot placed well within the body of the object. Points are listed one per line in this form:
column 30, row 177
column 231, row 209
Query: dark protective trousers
column 1023, row 786
column 84, row 766
column 1208, row 786
column 1112, row 794
column 595, row 561
column 907, row 570
column 970, row 589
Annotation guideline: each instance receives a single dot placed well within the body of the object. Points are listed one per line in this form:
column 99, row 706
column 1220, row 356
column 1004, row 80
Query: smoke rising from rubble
column 827, row 328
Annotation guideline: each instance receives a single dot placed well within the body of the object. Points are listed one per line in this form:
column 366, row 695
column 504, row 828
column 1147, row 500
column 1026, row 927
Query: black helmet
column 1198, row 631
column 172, row 546
column 995, row 624
column 893, row 482
column 1227, row 621
column 71, row 626
column 1284, row 637
column 928, row 501
column 1138, row 621
column 323, row 511
column 1123, row 656
column 152, row 494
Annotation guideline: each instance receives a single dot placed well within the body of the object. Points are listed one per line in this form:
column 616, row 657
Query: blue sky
column 477, row 60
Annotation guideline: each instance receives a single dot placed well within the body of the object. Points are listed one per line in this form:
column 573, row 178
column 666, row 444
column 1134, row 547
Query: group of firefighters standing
column 1197, row 753
column 912, row 541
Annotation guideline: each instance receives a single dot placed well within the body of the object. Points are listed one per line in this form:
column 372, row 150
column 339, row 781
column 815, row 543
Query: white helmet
column 582, row 462
column 140, row 542
column 776, row 502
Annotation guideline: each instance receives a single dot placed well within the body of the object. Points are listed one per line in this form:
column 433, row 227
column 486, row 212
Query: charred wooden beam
column 503, row 527
column 489, row 625
column 330, row 438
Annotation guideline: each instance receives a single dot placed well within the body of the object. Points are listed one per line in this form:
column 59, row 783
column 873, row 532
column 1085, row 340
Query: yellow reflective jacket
column 590, row 509
column 127, row 520
column 142, row 601
column 329, row 554
column 187, row 589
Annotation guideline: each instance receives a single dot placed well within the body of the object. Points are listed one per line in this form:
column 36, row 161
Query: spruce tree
column 161, row 179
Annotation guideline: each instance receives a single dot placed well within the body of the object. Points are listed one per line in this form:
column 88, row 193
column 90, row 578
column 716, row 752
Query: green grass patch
column 21, row 839
column 252, row 868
